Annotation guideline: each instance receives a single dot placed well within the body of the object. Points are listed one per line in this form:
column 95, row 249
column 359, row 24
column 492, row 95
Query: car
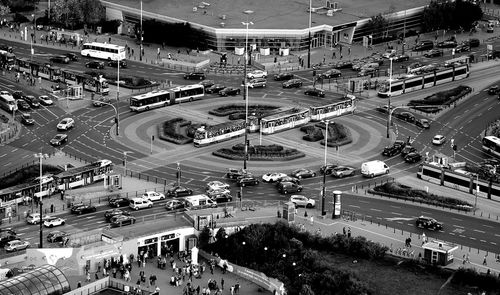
column 288, row 179
column 53, row 221
column 283, row 76
column 175, row 204
column 82, row 209
column 16, row 245
column 447, row 44
column 6, row 237
column 343, row 64
column 34, row 218
column 258, row 82
column 95, row 64
column 118, row 202
column 406, row 116
column 45, row 100
column 56, row 236
column 223, row 198
column 303, row 173
column 153, row 196
column 213, row 193
column 229, row 91
column 472, row 42
column 257, row 74
column 62, row 59
column 272, row 176
column 59, row 139
column 108, row 214
column 493, row 90
column 315, row 92
column 17, row 94
column 439, row 139
column 389, row 53
column 247, row 180
column 23, row 105
column 114, row 64
column 292, row 83
column 333, row 73
column 32, row 101
column 390, row 151
column 27, row 120
column 462, row 48
column 101, row 101
column 327, row 169
column 424, row 45
column 195, row 76
column 179, row 191
column 413, row 157
column 289, row 187
column 207, row 83
column 216, row 185
column 407, row 150
column 214, row 88
column 423, row 123
column 140, row 203
column 367, row 72
column 400, row 58
column 65, row 124
column 428, row 223
column 71, row 56
column 399, row 144
column 342, row 171
column 384, row 108
column 121, row 220
column 233, row 173
column 302, row 201
column 433, row 53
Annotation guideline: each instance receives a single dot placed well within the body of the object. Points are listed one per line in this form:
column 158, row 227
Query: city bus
column 211, row 134
column 165, row 97
column 103, row 51
column 7, row 102
column 287, row 119
column 335, row 109
column 491, row 145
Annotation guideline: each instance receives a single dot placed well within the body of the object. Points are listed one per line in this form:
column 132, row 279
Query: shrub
column 259, row 153
column 239, row 110
column 470, row 277
column 446, row 97
column 171, row 131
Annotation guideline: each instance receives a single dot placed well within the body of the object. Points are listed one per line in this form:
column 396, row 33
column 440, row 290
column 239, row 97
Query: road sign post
column 178, row 174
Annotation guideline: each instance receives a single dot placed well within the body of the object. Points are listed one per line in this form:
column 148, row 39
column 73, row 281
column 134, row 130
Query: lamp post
column 125, row 161
column 309, row 39
column 245, row 90
column 32, row 51
column 389, row 100
column 117, row 115
column 323, row 192
column 40, row 157
column 140, row 42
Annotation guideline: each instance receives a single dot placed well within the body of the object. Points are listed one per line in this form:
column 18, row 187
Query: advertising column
column 336, row 204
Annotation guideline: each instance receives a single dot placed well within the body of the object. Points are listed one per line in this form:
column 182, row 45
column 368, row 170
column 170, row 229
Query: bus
column 491, row 145
column 426, row 80
column 288, row 119
column 211, row 134
column 335, row 109
column 7, row 58
column 98, row 85
column 165, row 97
column 7, row 101
column 103, row 51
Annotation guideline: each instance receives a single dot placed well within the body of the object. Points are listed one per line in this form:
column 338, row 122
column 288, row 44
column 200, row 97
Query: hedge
column 446, row 97
column 259, row 153
column 239, row 110
column 171, row 131
column 339, row 134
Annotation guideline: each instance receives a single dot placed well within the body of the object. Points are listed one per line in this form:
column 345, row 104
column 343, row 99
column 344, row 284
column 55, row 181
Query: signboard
column 365, row 41
column 489, row 47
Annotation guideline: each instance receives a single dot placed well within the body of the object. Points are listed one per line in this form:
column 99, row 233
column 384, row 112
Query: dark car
column 18, row 94
column 23, row 105
column 207, row 83
column 27, row 120
column 472, row 42
column 62, row 59
column 32, row 101
column 423, row 123
column 390, row 151
column 179, row 191
column 447, row 44
column 119, row 202
column 82, row 209
column 247, row 180
column 493, row 90
column 408, row 149
column 72, row 56
column 229, row 91
column 114, row 212
column 406, row 116
column 343, row 64
column 315, row 92
column 303, row 173
column 413, row 157
column 433, row 53
column 56, row 236
column 257, row 82
column 288, row 179
column 195, row 76
column 289, row 187
column 175, row 205
column 234, row 173
column 59, row 139
column 424, row 45
column 399, row 144
column 101, row 101
column 95, row 64
column 327, row 169
column 292, row 83
column 114, row 63
column 330, row 74
column 121, row 220
column 400, row 58
column 223, row 198
column 383, row 109
column 283, row 76
column 428, row 223
column 462, row 48
column 7, row 236
column 215, row 88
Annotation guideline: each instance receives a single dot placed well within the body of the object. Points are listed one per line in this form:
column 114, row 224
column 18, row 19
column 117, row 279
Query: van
column 374, row 168
column 140, row 203
column 200, row 201
column 371, row 65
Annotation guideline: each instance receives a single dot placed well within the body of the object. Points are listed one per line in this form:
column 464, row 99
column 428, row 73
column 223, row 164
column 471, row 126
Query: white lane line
column 472, row 238
column 479, row 231
column 458, row 226
column 489, row 226
column 457, row 219
column 376, row 210
column 397, row 207
column 493, row 243
column 395, row 213
column 354, row 206
column 483, row 241
column 14, row 150
column 3, row 155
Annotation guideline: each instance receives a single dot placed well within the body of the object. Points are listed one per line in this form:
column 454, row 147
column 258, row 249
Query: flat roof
column 269, row 14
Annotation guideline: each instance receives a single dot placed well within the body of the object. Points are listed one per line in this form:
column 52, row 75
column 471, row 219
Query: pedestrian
column 484, row 260
column 232, row 290
column 237, row 288
column 222, row 283
column 349, row 50
column 198, row 290
column 87, row 279
column 324, row 58
column 333, row 54
column 463, row 262
column 79, row 284
column 409, row 242
column 311, row 220
column 96, row 276
column 349, row 232
column 344, row 231
column 467, row 258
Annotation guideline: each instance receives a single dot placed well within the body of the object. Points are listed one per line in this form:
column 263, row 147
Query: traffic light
column 247, row 142
column 116, row 120
column 455, row 147
column 314, row 73
column 239, row 195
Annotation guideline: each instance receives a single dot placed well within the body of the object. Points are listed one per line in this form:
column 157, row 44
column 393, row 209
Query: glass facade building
column 44, row 280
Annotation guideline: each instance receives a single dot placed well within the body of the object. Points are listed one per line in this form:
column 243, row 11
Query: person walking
column 484, row 260
column 222, row 283
column 344, row 231
column 311, row 220
column 349, row 232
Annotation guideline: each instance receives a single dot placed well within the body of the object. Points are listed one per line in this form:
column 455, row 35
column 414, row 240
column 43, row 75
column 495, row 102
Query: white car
column 257, row 74
column 34, row 218
column 66, row 124
column 153, row 196
column 45, row 100
column 53, row 221
column 216, row 185
column 439, row 139
column 16, row 245
column 302, row 201
column 273, row 176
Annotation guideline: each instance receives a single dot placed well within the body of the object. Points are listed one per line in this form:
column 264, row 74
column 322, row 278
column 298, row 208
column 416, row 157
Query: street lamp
column 389, row 94
column 125, row 161
column 309, row 39
column 245, row 91
column 40, row 157
column 140, row 46
column 323, row 192
column 117, row 115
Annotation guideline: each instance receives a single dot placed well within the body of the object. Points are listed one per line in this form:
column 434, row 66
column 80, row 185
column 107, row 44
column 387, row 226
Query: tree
column 450, row 15
column 4, row 10
column 376, row 24
column 75, row 13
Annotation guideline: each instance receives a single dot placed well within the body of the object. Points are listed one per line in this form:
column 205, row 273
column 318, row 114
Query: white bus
column 491, row 145
column 7, row 102
column 165, row 97
column 103, row 51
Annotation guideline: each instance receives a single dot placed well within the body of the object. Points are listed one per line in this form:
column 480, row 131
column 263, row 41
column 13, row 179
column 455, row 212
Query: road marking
column 14, row 150
column 462, row 236
column 395, row 213
column 483, row 241
column 3, row 155
column 472, row 238
column 354, row 206
column 452, row 234
column 206, row 178
column 89, row 217
column 479, row 231
column 493, row 243
column 457, row 219
column 487, row 225
column 376, row 210
column 397, row 207
column 458, row 226
column 497, row 235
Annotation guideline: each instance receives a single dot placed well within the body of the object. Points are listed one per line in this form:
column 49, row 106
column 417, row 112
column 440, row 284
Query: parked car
column 195, row 76
column 114, row 64
column 406, row 116
column 153, row 196
column 140, row 203
column 179, row 191
column 56, row 236
column 95, row 64
column 302, row 201
column 214, row 88
column 447, row 44
column 272, row 176
column 423, row 123
column 343, row 64
column 229, row 91
column 53, row 221
column 433, row 53
column 7, row 236
column 342, row 171
column 121, row 220
column 333, row 73
column 16, row 245
column 283, row 76
column 289, row 187
column 32, row 101
column 207, row 83
column 59, row 139
column 413, row 157
column 65, row 124
column 27, row 120
column 175, row 205
column 257, row 74
column 223, row 198
column 401, row 57
column 439, row 139
column 389, row 53
column 45, row 100
column 246, row 181
column 217, row 185
column 234, row 173
column 424, row 45
column 114, row 212
column 390, row 151
column 258, row 82
column 119, row 202
column 303, row 173
column 327, row 169
column 428, row 223
column 407, row 150
column 493, row 90
column 23, row 105
column 315, row 92
column 472, row 42
column 82, row 209
column 367, row 72
column 62, row 59
column 214, row 193
column 292, row 83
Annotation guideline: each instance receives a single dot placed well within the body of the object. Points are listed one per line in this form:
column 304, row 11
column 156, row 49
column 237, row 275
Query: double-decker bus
column 165, row 97
column 287, row 119
column 491, row 145
column 103, row 51
column 95, row 84
column 211, row 134
column 7, row 101
column 335, row 109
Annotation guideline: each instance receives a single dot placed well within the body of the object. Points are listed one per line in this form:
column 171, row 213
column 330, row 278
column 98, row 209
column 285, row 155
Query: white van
column 200, row 201
column 372, row 65
column 374, row 168
column 140, row 203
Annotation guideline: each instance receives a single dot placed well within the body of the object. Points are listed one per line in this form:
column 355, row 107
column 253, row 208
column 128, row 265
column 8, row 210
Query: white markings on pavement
column 472, row 238
column 487, row 225
column 14, row 150
column 457, row 219
column 376, row 210
column 497, row 235
column 354, row 206
column 3, row 155
column 493, row 243
column 395, row 213
column 479, row 231
column 457, row 226
column 397, row 207
column 483, row 241
column 462, row 236
column 206, row 178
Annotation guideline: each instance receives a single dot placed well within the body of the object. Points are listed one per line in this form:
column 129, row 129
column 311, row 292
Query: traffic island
column 259, row 153
column 434, row 103
column 338, row 134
